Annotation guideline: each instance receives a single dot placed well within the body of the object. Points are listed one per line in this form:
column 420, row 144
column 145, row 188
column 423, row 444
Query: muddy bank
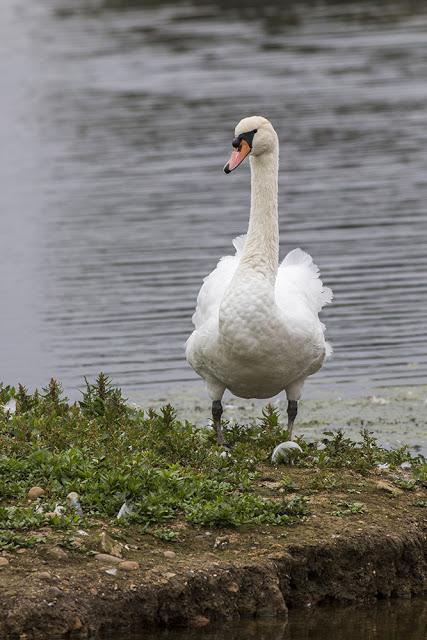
column 218, row 577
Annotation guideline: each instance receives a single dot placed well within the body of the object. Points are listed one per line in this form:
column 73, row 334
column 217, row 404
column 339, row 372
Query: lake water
column 395, row 620
column 116, row 122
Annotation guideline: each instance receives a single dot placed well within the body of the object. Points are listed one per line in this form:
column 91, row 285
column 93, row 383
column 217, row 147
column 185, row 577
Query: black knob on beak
column 236, row 143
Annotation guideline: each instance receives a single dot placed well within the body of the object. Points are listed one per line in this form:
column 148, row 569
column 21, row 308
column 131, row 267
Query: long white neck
column 261, row 252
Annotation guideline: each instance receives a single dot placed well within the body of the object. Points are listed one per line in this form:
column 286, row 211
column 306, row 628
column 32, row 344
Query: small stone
column 388, row 488
column 110, row 546
column 169, row 575
column 233, row 587
column 54, row 592
column 76, row 625
column 169, row 554
column 105, row 557
column 21, row 551
column 44, row 575
column 112, row 571
column 4, row 562
column 128, row 565
column 56, row 553
column 200, row 621
column 35, row 492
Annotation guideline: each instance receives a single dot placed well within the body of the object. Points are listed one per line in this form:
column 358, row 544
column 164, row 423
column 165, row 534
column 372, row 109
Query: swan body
column 257, row 330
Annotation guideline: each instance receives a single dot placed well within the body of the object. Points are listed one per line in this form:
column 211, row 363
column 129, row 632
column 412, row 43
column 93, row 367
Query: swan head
column 255, row 136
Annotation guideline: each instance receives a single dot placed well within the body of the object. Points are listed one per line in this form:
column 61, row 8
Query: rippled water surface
column 117, row 119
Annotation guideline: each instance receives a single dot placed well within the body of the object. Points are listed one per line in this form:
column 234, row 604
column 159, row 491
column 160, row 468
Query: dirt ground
column 340, row 553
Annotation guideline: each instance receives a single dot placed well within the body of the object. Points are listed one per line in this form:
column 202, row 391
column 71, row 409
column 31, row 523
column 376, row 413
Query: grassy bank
column 206, row 536
column 166, row 471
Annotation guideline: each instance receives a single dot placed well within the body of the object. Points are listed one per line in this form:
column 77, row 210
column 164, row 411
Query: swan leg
column 292, row 414
column 216, row 417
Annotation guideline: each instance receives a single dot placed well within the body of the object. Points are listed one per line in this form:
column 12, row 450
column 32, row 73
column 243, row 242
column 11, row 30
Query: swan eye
column 236, row 143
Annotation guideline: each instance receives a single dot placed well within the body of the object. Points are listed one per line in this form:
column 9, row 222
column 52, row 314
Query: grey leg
column 216, row 416
column 292, row 414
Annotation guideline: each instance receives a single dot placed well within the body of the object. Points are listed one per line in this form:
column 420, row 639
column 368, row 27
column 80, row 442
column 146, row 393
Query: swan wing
column 298, row 277
column 215, row 284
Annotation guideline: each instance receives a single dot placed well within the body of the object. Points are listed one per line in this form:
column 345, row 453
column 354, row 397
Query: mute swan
column 257, row 330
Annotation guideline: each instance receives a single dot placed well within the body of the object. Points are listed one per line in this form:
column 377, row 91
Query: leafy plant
column 349, row 508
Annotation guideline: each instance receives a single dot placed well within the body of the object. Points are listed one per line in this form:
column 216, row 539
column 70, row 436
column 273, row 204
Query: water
column 395, row 620
column 116, row 123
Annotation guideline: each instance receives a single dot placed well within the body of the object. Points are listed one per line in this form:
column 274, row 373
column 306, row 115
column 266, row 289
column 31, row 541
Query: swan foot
column 286, row 452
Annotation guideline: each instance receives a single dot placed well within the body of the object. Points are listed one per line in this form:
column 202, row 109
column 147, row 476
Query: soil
column 60, row 590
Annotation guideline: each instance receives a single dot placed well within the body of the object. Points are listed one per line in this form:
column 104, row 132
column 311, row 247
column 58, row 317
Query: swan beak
column 237, row 156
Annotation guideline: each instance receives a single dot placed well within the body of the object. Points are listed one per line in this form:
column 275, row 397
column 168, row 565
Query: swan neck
column 261, row 250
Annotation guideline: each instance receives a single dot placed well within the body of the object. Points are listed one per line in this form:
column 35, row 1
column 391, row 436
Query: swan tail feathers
column 299, row 274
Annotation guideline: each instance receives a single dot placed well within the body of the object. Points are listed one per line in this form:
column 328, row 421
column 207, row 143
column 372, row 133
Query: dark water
column 395, row 620
column 117, row 117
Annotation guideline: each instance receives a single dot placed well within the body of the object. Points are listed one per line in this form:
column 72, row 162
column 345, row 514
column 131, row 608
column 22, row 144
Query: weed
column 166, row 535
column 349, row 508
column 408, row 485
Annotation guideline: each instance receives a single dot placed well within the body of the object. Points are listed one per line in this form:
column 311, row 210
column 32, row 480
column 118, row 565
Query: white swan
column 257, row 330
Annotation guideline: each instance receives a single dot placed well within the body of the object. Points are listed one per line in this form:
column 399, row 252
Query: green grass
column 169, row 470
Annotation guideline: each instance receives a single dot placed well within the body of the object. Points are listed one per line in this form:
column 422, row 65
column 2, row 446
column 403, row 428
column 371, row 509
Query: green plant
column 349, row 508
column 166, row 535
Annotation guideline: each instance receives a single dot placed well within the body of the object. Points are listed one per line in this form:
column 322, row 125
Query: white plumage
column 297, row 276
column 257, row 330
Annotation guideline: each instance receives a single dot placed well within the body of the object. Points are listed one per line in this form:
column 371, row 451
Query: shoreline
column 362, row 567
column 116, row 518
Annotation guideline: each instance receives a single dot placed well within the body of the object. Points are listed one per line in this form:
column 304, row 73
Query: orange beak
column 237, row 156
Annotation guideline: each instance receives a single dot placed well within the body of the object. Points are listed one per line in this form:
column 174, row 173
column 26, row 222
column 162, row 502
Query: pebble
column 4, row 562
column 54, row 592
column 169, row 554
column 76, row 624
column 35, row 492
column 110, row 546
column 388, row 488
column 200, row 621
column 233, row 587
column 128, row 565
column 112, row 571
column 105, row 557
column 56, row 553
column 169, row 575
column 44, row 575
